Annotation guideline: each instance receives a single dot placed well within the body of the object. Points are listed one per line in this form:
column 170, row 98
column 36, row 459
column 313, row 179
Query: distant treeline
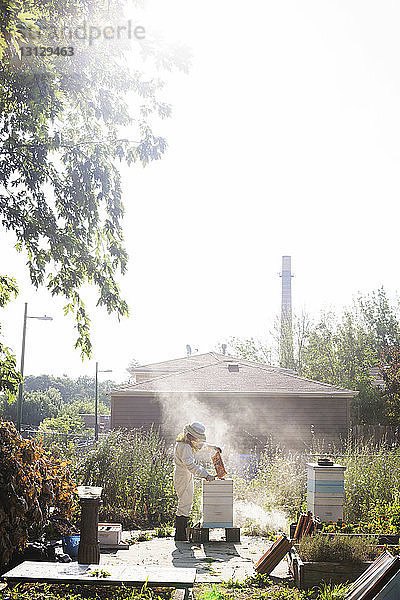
column 82, row 388
column 55, row 403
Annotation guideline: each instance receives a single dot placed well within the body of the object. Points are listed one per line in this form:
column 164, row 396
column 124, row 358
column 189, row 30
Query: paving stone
column 214, row 561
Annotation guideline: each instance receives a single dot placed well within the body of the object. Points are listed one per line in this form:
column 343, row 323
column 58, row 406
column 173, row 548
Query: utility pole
column 96, row 424
column 96, row 419
column 21, row 385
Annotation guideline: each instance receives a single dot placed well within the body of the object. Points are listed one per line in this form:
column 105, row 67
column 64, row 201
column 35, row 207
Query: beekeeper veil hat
column 197, row 430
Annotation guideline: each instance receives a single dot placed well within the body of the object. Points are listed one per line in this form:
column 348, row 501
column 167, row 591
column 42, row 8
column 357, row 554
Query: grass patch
column 239, row 592
column 261, row 587
column 163, row 531
column 30, row 591
column 332, row 591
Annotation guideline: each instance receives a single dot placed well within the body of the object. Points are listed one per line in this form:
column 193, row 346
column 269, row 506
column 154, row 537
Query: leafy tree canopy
column 62, row 137
column 10, row 378
column 64, row 423
column 343, row 349
column 249, row 348
column 48, row 397
column 389, row 370
column 37, row 406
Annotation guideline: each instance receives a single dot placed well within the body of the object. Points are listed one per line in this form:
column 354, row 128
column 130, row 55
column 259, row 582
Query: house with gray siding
column 240, row 401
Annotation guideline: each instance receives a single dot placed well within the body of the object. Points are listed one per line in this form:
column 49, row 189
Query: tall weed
column 279, row 483
column 136, row 474
column 372, row 481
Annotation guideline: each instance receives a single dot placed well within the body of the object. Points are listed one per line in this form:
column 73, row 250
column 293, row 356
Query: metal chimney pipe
column 286, row 313
column 286, row 275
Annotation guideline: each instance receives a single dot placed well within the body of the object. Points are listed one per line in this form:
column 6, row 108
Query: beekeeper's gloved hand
column 210, row 477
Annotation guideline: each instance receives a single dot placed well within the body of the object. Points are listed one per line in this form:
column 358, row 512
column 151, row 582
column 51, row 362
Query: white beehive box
column 217, row 503
column 109, row 534
column 325, row 491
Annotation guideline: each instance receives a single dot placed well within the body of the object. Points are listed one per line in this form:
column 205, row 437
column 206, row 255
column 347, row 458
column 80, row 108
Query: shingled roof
column 213, row 373
column 181, row 364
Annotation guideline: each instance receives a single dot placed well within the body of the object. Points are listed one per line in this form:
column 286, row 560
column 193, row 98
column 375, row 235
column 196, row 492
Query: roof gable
column 212, row 375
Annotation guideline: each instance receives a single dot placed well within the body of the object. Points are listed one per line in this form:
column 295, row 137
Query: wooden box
column 325, row 491
column 109, row 533
column 217, row 503
column 309, row 574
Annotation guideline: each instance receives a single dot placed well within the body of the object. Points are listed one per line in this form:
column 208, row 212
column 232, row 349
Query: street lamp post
column 21, row 385
column 96, row 424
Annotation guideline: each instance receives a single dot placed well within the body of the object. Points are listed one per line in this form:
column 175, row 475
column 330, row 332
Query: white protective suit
column 185, row 467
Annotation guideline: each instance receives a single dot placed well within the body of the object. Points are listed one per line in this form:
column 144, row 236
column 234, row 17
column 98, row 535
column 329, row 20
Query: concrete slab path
column 214, row 561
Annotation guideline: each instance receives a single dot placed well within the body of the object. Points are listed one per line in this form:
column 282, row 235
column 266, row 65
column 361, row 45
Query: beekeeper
column 190, row 441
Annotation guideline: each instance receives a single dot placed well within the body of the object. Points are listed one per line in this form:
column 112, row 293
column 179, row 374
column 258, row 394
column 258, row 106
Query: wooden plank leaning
column 273, row 555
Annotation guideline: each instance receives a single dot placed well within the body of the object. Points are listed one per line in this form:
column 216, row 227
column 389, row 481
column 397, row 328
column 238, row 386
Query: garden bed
column 309, row 574
column 391, row 539
column 382, row 539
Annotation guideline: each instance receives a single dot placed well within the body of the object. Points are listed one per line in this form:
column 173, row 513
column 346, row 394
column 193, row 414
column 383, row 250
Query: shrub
column 384, row 517
column 323, row 548
column 136, row 474
column 372, row 477
column 30, row 482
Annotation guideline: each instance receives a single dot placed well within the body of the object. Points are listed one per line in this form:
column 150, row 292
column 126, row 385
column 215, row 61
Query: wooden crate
column 110, row 533
column 309, row 574
column 217, row 503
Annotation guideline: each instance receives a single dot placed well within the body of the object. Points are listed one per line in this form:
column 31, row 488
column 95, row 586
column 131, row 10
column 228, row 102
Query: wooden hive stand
column 201, row 535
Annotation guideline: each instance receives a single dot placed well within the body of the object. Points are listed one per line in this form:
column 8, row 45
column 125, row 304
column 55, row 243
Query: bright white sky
column 284, row 139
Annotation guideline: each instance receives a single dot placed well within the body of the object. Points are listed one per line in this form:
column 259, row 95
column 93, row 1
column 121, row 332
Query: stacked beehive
column 325, row 491
column 217, row 503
